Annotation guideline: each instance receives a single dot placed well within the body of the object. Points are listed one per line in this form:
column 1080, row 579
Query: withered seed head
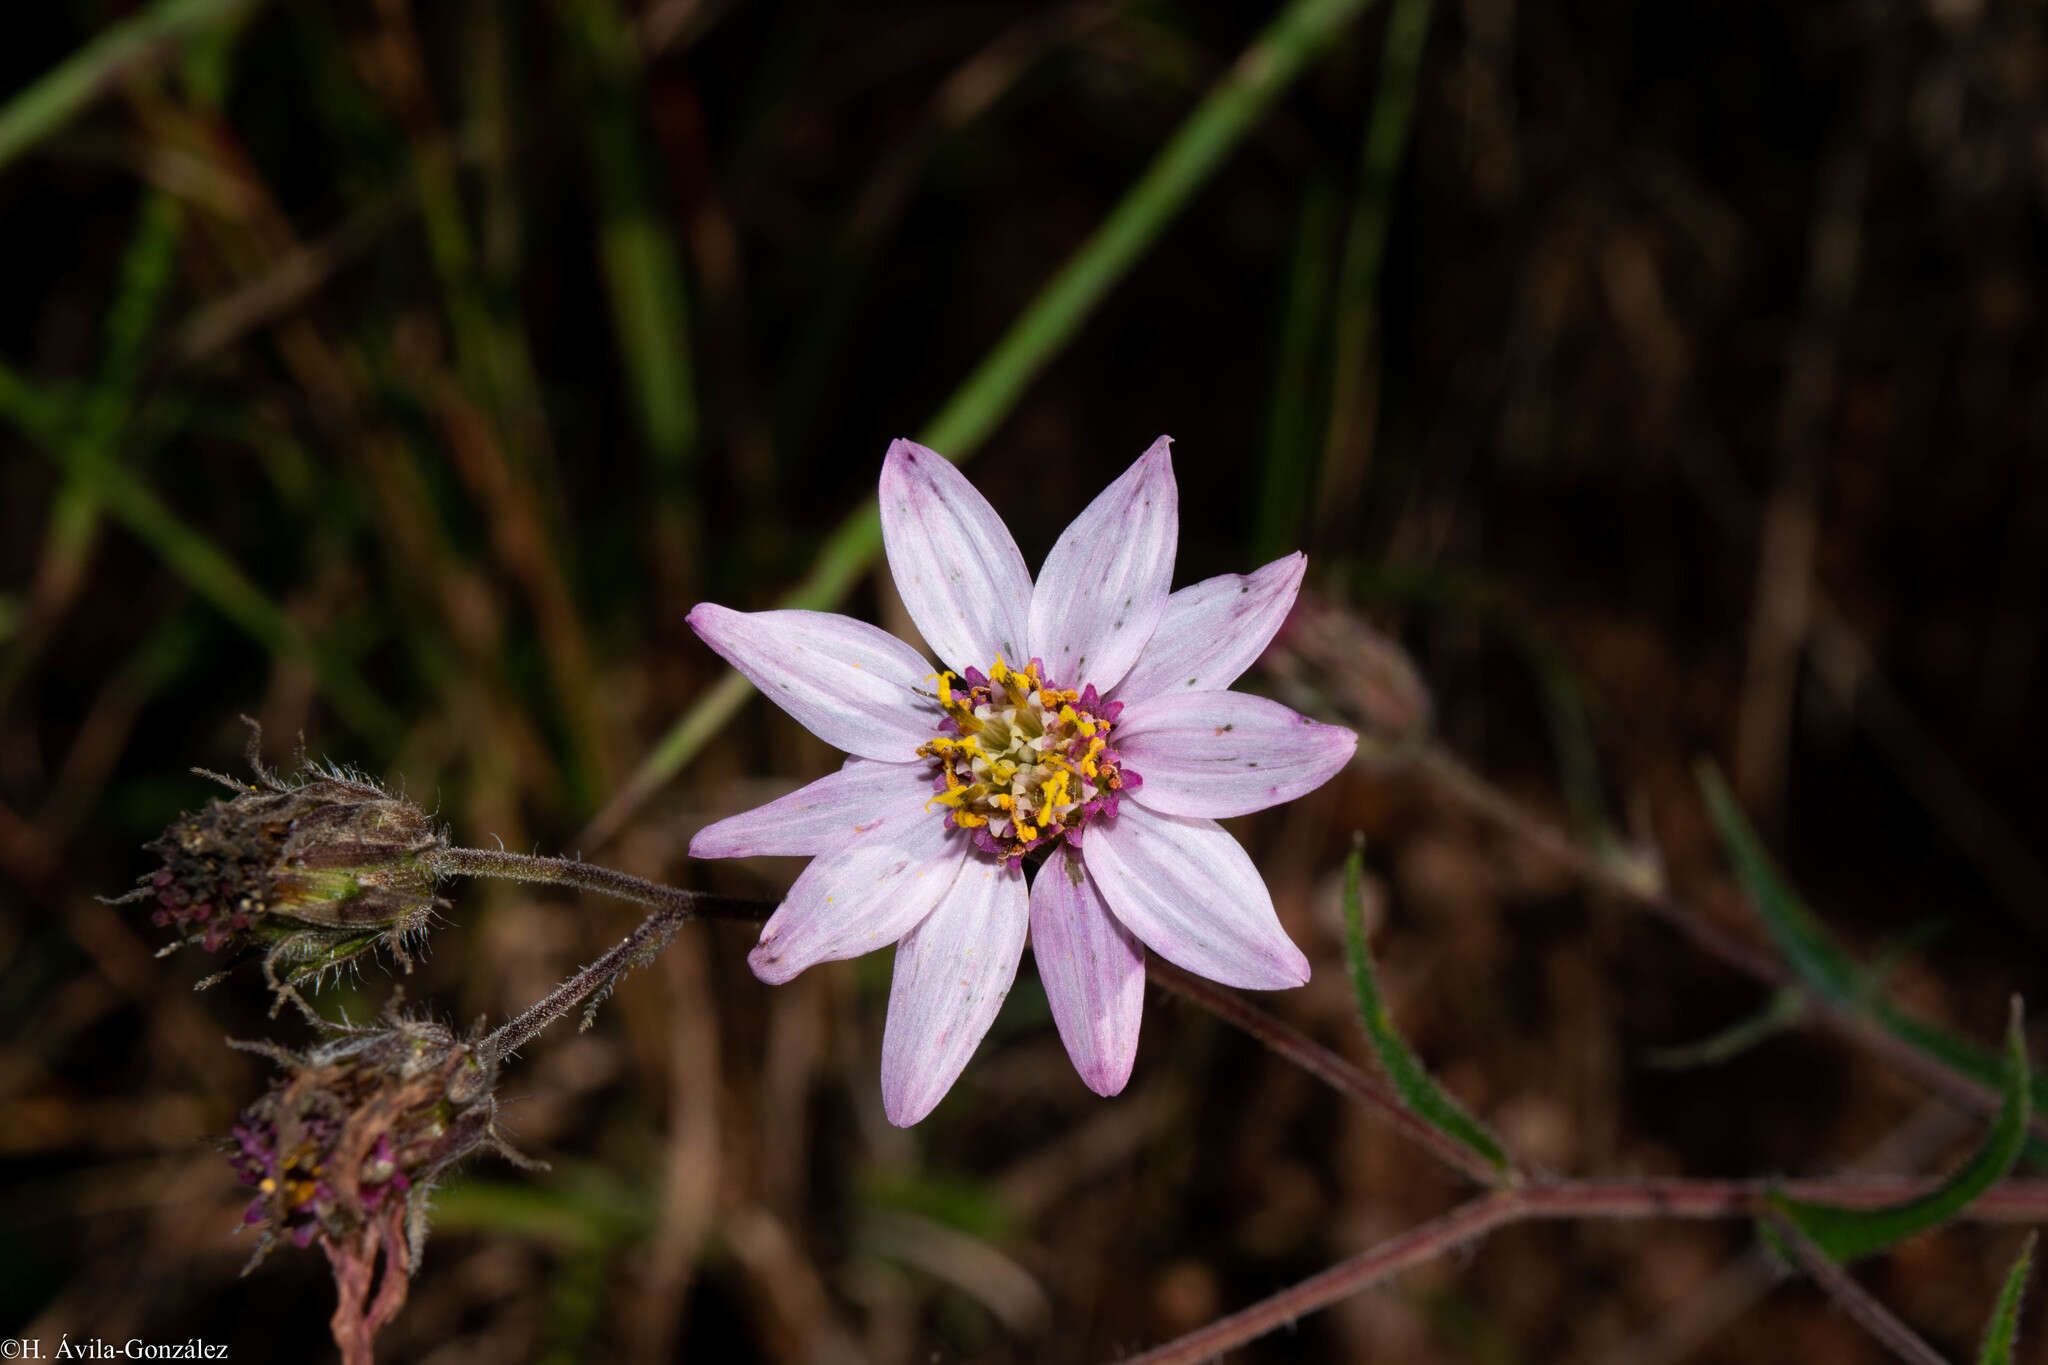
column 1363, row 674
column 356, row 1131
column 318, row 871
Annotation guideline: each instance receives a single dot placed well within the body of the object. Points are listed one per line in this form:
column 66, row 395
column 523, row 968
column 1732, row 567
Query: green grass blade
column 1806, row 943
column 1354, row 367
column 212, row 575
column 1418, row 1088
column 38, row 411
column 1977, row 1062
column 1293, row 424
column 1302, row 29
column 1386, row 146
column 98, row 420
column 58, row 96
column 1845, row 1234
column 637, row 250
column 2003, row 1333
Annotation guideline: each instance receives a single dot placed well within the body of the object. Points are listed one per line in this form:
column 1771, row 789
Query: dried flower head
column 1366, row 675
column 316, row 871
column 356, row 1131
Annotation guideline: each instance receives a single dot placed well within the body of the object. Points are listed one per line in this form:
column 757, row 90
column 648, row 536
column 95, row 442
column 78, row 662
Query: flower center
column 1022, row 762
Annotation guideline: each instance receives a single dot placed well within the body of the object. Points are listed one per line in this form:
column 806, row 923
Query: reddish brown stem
column 1852, row 1298
column 1340, row 1281
column 358, row 1316
column 2020, row 1201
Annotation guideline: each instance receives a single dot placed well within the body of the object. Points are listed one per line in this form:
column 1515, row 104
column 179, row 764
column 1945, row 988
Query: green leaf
column 1418, row 1088
column 1822, row 963
column 1965, row 1055
column 1845, row 1234
column 1785, row 1008
column 2005, row 1319
column 1799, row 935
column 54, row 98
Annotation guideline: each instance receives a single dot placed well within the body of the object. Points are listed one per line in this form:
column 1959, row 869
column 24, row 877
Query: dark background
column 1694, row 409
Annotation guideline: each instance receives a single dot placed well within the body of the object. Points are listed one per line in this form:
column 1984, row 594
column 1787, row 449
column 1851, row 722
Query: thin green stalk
column 643, row 271
column 491, row 351
column 1386, row 145
column 1303, row 29
column 641, row 265
column 448, row 248
column 59, row 95
column 99, row 422
column 1354, row 385
column 1219, row 123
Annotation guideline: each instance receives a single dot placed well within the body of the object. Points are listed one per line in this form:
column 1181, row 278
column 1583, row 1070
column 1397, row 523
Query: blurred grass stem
column 1287, row 473
column 61, row 93
column 99, row 418
column 210, row 573
column 1354, row 378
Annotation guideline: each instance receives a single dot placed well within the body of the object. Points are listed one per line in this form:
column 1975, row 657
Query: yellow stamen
column 1025, row 761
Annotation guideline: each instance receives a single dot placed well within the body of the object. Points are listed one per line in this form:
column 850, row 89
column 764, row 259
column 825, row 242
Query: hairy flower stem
column 673, row 906
column 593, row 982
column 2016, row 1201
column 521, row 867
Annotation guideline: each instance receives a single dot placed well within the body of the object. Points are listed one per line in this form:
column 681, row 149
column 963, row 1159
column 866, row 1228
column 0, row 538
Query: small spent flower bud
column 317, row 871
column 348, row 1141
column 1365, row 675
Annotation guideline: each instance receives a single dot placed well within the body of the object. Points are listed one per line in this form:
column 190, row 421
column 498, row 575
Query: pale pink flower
column 1087, row 721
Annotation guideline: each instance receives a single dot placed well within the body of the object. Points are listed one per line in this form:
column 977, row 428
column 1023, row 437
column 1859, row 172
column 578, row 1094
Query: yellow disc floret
column 1023, row 762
